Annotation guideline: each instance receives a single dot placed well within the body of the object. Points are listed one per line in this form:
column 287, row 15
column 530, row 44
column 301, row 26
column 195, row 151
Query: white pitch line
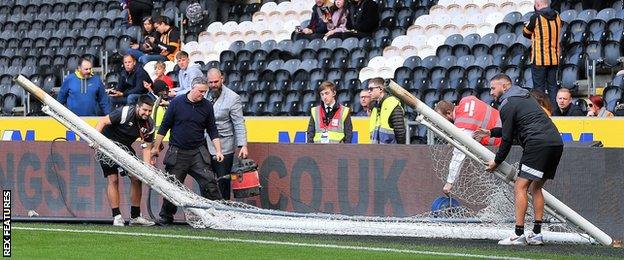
column 268, row 242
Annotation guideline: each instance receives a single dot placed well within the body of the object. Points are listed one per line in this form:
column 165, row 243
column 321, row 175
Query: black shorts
column 540, row 162
column 114, row 168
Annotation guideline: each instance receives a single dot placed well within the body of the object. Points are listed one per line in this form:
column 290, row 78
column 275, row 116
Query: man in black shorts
column 124, row 125
column 524, row 119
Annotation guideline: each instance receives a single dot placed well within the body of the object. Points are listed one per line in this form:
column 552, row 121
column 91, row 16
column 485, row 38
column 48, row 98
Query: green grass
column 39, row 244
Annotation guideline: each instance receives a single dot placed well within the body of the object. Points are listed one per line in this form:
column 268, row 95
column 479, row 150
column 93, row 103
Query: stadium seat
column 612, row 54
column 568, row 16
column 569, row 76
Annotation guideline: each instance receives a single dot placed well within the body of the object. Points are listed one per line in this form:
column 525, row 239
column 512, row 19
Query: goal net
column 486, row 218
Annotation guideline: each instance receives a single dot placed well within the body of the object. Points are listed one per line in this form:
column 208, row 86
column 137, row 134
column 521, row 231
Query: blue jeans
column 132, row 99
column 135, row 53
column 545, row 79
column 152, row 57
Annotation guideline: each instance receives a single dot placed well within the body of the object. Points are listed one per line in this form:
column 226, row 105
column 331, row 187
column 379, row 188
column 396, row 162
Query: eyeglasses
column 372, row 88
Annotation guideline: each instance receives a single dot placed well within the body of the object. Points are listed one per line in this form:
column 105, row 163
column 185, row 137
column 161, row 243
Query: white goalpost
column 481, row 154
column 227, row 215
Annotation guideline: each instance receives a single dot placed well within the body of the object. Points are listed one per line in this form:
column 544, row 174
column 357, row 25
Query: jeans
column 545, row 79
column 152, row 57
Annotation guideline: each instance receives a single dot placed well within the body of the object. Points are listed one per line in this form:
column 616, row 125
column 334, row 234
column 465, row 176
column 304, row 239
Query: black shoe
column 164, row 221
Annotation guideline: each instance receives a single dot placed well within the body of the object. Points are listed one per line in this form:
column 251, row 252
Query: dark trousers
column 298, row 36
column 545, row 79
column 221, row 169
column 197, row 164
column 345, row 35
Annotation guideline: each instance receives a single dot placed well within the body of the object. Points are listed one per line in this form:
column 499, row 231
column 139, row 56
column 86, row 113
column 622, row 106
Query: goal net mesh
column 486, row 210
column 485, row 214
column 483, row 196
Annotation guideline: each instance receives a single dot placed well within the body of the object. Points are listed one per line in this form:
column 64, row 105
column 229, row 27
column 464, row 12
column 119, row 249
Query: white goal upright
column 485, row 223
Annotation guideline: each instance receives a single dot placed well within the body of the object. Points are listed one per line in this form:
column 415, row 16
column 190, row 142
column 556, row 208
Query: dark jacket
column 571, row 110
column 132, row 82
column 188, row 122
column 523, row 118
column 363, row 17
column 396, row 121
column 317, row 24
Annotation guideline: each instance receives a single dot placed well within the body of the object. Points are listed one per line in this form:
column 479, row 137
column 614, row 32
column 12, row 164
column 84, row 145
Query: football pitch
column 89, row 241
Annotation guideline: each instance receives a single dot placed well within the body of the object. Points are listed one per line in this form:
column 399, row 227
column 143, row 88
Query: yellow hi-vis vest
column 380, row 130
column 334, row 128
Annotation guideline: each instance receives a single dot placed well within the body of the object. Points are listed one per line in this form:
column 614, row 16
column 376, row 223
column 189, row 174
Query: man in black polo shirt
column 124, row 125
column 189, row 117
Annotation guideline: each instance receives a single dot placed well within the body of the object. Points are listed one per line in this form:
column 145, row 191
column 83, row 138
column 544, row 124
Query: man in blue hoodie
column 523, row 119
column 83, row 93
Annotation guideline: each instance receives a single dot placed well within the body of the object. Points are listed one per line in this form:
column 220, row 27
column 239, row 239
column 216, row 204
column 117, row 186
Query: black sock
column 537, row 226
column 519, row 230
column 116, row 212
column 135, row 212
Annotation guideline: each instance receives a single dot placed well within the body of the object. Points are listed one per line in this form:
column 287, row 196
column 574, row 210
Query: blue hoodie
column 83, row 95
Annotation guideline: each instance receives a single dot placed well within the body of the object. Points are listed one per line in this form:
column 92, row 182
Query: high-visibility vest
column 472, row 114
column 380, row 130
column 335, row 126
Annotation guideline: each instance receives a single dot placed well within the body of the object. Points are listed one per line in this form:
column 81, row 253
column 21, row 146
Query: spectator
column 317, row 27
column 124, row 126
column 228, row 112
column 365, row 102
column 196, row 17
column 148, row 44
column 84, row 93
column 387, row 121
column 329, row 122
column 131, row 82
column 189, row 117
column 186, row 75
column 137, row 9
column 159, row 74
column 362, row 20
column 565, row 106
column 596, row 107
column 542, row 100
column 469, row 115
column 210, row 7
column 168, row 43
column 338, row 22
column 162, row 84
column 543, row 29
column 157, row 89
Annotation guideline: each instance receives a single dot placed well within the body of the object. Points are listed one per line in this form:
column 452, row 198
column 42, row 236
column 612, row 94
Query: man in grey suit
column 228, row 111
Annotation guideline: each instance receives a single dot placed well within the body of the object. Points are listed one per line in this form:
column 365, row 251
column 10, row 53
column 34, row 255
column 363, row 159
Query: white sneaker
column 141, row 221
column 535, row 239
column 118, row 221
column 514, row 240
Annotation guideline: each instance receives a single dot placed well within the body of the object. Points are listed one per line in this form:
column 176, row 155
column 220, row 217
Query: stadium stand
column 442, row 49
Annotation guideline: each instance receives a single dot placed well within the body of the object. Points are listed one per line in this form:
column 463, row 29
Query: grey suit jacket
column 228, row 111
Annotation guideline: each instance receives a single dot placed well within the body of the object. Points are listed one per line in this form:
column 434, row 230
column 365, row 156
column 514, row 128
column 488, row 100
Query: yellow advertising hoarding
column 292, row 129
